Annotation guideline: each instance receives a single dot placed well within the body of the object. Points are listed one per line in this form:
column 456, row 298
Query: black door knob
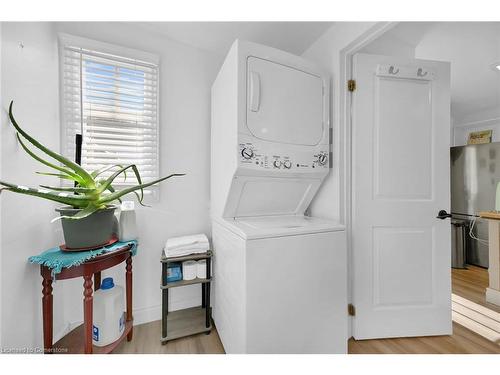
column 442, row 214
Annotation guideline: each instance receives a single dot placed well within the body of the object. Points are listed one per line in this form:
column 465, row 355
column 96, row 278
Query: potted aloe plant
column 87, row 217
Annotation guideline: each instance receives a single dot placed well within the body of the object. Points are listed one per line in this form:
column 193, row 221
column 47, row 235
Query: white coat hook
column 393, row 70
column 421, row 73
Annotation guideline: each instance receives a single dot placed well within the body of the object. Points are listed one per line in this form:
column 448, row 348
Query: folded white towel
column 182, row 252
column 190, row 246
column 186, row 241
column 180, row 246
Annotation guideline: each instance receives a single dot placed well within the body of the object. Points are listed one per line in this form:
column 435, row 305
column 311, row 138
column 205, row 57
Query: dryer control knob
column 277, row 164
column 247, row 153
column 287, row 164
column 322, row 158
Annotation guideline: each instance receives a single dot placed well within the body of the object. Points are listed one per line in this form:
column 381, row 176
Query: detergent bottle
column 109, row 313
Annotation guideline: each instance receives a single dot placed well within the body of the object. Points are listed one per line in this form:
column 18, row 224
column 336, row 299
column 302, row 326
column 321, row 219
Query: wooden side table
column 80, row 339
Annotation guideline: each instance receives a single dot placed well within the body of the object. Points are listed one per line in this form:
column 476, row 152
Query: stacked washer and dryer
column 279, row 276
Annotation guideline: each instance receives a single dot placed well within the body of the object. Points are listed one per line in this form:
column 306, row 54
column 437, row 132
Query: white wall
column 388, row 45
column 31, row 76
column 329, row 202
column 1, row 127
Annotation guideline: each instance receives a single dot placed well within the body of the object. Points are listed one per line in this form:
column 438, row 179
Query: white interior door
column 401, row 179
column 284, row 104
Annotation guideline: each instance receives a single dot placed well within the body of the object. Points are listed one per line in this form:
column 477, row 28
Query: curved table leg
column 47, row 309
column 128, row 278
column 87, row 313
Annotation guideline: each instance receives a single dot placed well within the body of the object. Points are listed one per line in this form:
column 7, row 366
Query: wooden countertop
column 493, row 215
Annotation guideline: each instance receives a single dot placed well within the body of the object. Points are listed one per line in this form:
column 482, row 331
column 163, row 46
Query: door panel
column 400, row 155
column 399, row 255
column 284, row 104
column 403, row 110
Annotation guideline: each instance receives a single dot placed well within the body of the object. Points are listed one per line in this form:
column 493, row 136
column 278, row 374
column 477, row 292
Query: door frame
column 345, row 68
column 3, row 117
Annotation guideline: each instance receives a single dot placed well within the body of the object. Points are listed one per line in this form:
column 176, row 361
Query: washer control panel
column 247, row 153
column 255, row 157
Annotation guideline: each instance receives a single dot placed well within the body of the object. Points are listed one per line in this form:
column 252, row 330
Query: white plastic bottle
column 109, row 313
column 128, row 225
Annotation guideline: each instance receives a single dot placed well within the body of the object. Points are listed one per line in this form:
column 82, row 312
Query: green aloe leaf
column 112, row 190
column 118, row 194
column 108, row 182
column 100, row 171
column 88, row 194
column 77, row 189
column 75, row 167
column 65, row 198
column 63, row 176
column 87, row 211
column 140, row 200
column 37, row 158
column 139, row 180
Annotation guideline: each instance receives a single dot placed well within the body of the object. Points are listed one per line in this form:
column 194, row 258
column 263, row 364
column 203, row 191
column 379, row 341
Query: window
column 112, row 100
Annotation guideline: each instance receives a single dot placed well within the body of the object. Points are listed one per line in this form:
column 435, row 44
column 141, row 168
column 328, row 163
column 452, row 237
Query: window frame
column 66, row 40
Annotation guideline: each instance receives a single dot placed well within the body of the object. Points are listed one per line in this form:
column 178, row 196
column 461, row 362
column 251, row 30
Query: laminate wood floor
column 462, row 341
column 469, row 284
column 146, row 340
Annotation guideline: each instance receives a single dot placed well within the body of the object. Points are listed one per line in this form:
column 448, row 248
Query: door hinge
column 351, row 85
column 351, row 309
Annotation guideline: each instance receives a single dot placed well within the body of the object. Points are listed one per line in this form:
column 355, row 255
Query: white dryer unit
column 280, row 277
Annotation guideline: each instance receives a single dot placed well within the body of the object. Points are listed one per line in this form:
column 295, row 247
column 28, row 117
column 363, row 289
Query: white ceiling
column 294, row 37
column 471, row 47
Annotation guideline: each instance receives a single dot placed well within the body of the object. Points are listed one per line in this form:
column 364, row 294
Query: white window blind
column 113, row 102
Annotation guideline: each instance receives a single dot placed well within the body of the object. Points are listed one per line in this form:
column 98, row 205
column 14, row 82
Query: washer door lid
column 259, row 196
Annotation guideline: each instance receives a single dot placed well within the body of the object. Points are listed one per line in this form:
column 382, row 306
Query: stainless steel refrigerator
column 475, row 172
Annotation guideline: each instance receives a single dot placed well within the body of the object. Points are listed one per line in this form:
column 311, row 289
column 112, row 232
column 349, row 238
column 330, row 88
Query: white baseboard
column 63, row 332
column 493, row 296
column 147, row 314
